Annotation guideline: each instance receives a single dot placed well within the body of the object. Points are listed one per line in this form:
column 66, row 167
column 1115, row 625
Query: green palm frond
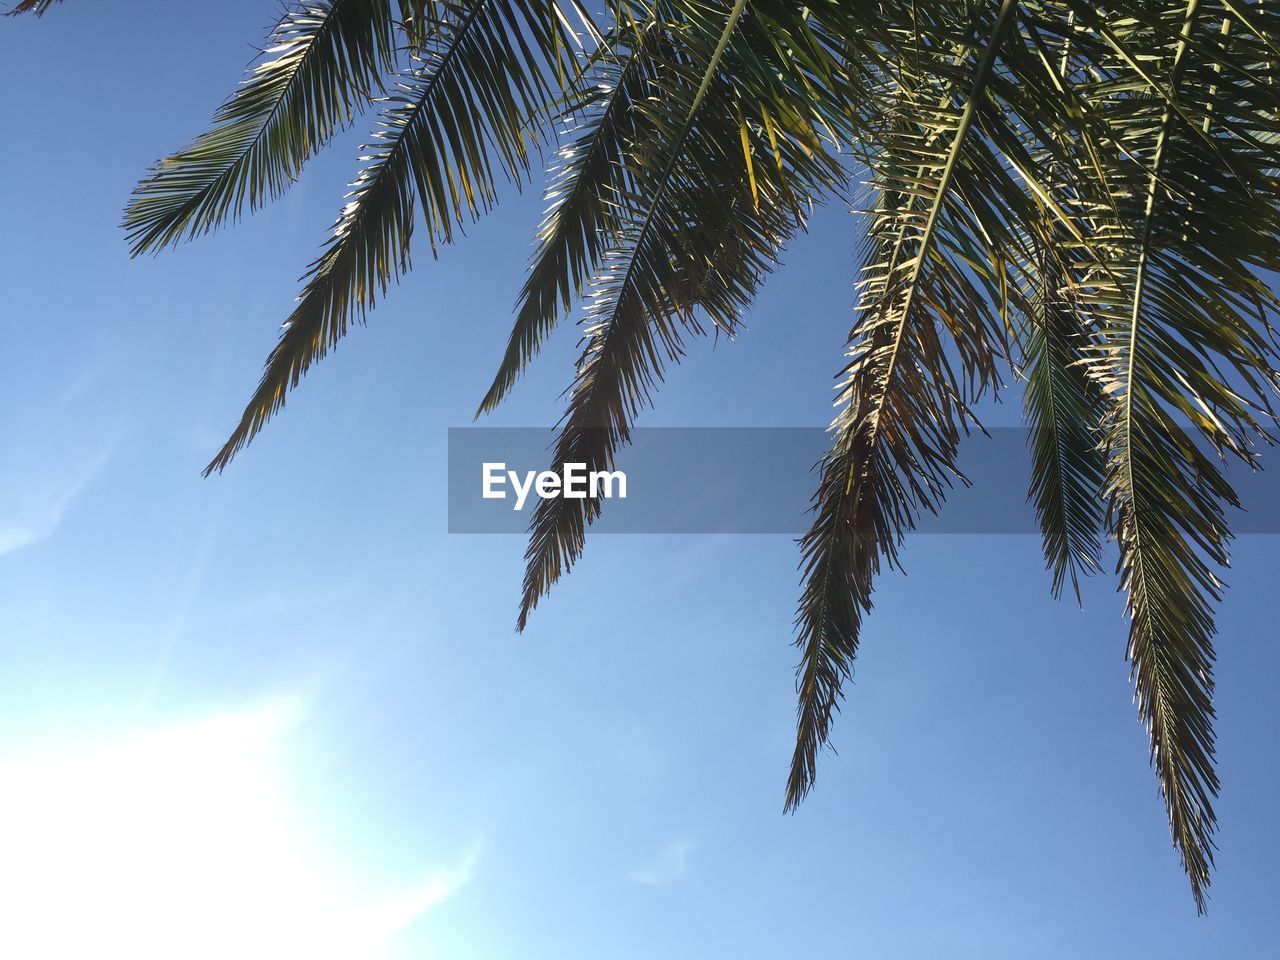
column 1059, row 161
column 1052, row 327
column 322, row 65
column 599, row 171
column 1064, row 413
column 902, row 400
column 634, row 320
column 1185, row 355
column 708, row 228
column 594, row 168
column 449, row 132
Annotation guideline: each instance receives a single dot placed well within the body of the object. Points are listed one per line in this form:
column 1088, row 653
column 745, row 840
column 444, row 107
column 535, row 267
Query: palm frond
column 593, row 169
column 696, row 247
column 322, row 65
column 450, row 131
column 1064, row 413
column 1185, row 358
column 599, row 171
column 633, row 321
column 902, row 401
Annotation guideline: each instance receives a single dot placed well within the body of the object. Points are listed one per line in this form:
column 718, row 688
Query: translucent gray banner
column 749, row 480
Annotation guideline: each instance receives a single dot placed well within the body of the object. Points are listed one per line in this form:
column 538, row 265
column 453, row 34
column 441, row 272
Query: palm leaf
column 632, row 314
column 1064, row 411
column 902, row 402
column 697, row 245
column 599, row 172
column 450, row 130
column 1184, row 353
column 323, row 62
column 594, row 169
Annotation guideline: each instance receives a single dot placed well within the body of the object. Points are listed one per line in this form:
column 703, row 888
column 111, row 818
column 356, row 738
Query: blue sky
column 282, row 710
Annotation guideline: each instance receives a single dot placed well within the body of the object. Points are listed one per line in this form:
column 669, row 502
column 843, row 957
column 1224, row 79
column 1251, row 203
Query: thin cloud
column 86, row 379
column 36, row 512
column 670, row 864
column 394, row 913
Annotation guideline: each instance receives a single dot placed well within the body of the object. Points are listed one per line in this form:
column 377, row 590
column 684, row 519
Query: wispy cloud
column 86, row 378
column 32, row 514
column 394, row 913
column 670, row 864
column 51, row 456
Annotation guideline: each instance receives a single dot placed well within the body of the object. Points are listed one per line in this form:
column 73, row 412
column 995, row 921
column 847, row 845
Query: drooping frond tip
column 595, row 171
column 901, row 406
column 689, row 239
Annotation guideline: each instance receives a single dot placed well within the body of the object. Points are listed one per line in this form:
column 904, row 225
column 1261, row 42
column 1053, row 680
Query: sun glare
column 178, row 842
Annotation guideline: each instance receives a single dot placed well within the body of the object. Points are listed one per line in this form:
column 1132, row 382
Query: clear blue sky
column 284, row 703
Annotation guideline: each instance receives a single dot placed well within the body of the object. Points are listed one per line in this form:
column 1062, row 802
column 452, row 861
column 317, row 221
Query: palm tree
column 1085, row 194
